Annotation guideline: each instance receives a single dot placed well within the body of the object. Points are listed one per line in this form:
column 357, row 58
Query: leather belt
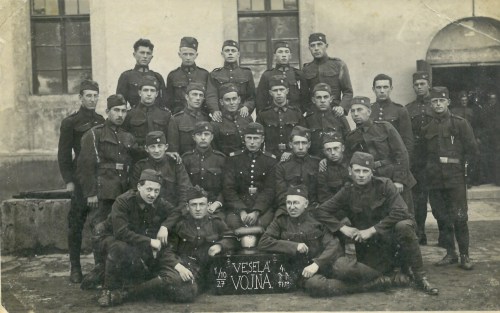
column 113, row 166
column 380, row 163
column 446, row 160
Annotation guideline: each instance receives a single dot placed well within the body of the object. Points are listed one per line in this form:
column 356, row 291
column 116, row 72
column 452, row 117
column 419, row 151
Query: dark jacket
column 180, row 130
column 143, row 119
column 177, row 81
column 333, row 179
column 229, row 134
column 129, row 82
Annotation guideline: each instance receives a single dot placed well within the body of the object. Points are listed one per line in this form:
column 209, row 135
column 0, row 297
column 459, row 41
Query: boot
column 449, row 258
column 153, row 287
column 465, row 262
column 75, row 275
column 94, row 278
column 423, row 284
column 112, row 297
column 378, row 284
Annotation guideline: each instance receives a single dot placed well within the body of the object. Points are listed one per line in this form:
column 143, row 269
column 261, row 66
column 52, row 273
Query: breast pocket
column 381, row 146
column 214, row 177
column 293, row 179
column 160, row 124
column 242, row 84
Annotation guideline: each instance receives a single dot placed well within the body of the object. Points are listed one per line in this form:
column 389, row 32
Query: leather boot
column 154, row 287
column 94, row 278
column 75, row 275
column 423, row 284
column 378, row 284
column 449, row 258
column 465, row 262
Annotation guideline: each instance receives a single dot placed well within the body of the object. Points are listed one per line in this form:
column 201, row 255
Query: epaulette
column 73, row 113
column 398, row 104
column 269, row 154
column 179, row 113
column 234, row 153
column 218, row 152
column 335, row 59
column 187, row 153
column 314, row 157
column 381, row 122
column 98, row 126
column 217, row 69
column 245, row 68
column 306, row 64
column 458, row 117
column 164, row 108
column 308, row 114
column 267, row 108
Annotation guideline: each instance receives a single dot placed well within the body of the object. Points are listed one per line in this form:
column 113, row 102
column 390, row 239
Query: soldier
column 485, row 132
column 102, row 170
column 336, row 174
column 332, row 71
column 129, row 81
column 181, row 126
column 371, row 212
column 384, row 109
column 322, row 120
column 231, row 72
column 450, row 144
column 248, row 187
column 382, row 140
column 229, row 134
column 420, row 115
column 72, row 129
column 205, row 166
column 283, row 70
column 279, row 119
column 178, row 79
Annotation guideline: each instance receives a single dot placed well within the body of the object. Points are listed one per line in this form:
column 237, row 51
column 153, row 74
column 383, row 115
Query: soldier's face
column 440, row 105
column 117, row 114
column 231, row 101
column 282, row 56
column 334, row 151
column 149, row 191
column 148, row 95
column 89, row 99
column 382, row 89
column 361, row 175
column 279, row 93
column 230, row 54
column 203, row 139
column 300, row 145
column 198, row 208
column 421, row 87
column 194, row 99
column 322, row 100
column 143, row 55
column 464, row 101
column 296, row 205
column 254, row 142
column 157, row 150
column 188, row 55
column 360, row 113
column 318, row 49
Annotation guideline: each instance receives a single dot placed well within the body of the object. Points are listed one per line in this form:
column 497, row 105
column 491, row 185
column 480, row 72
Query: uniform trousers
column 76, row 220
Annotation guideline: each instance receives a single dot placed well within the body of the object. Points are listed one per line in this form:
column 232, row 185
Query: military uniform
column 485, row 133
column 229, row 134
column 130, row 82
column 177, row 81
column 321, row 123
column 180, row 130
column 332, row 179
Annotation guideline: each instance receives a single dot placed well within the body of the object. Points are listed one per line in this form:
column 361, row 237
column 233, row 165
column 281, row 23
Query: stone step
column 484, row 192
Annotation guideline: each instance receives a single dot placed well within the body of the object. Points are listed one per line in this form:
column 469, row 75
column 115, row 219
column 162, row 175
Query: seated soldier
column 193, row 240
column 378, row 221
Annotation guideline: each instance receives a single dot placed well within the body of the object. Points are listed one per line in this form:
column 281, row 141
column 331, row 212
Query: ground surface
column 40, row 283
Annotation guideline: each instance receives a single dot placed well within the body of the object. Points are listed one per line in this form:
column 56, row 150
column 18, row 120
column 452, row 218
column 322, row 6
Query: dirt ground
column 40, row 283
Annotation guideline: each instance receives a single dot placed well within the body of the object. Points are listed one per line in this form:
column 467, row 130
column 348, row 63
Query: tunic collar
column 141, row 68
column 231, row 66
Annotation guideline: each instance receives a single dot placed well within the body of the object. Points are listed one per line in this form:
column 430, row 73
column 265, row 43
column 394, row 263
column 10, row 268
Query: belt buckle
column 282, row 146
column 443, row 159
column 120, row 166
column 252, row 190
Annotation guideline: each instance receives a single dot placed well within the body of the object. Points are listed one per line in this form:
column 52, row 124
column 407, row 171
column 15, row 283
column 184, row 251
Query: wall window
column 260, row 24
column 60, row 32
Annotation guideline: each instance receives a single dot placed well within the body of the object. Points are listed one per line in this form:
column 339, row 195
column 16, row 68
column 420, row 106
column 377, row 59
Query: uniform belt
column 446, row 160
column 114, row 166
column 380, row 163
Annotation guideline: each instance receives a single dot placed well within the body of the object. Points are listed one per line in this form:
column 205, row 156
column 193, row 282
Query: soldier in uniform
column 181, row 126
column 463, row 109
column 178, row 79
column 129, row 81
column 371, row 212
column 332, row 71
column 279, row 119
column 231, row 72
column 102, row 170
column 485, row 133
column 383, row 141
column 229, row 134
column 248, row 186
column 205, row 166
column 72, row 129
column 450, row 144
column 322, row 120
column 283, row 70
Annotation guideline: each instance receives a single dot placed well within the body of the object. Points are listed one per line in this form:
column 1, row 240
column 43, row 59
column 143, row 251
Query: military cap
column 317, row 37
column 382, row 77
column 278, row 81
column 298, row 190
column 363, row 159
column 231, row 43
column 115, row 100
column 151, row 175
column 196, row 86
column 421, row 75
column 254, row 129
column 227, row 88
column 189, row 42
column 300, row 131
column 463, row 94
column 331, row 137
column 361, row 100
column 149, row 81
column 89, row 85
column 203, row 126
column 439, row 92
column 281, row 44
column 195, row 193
column 322, row 87
column 155, row 137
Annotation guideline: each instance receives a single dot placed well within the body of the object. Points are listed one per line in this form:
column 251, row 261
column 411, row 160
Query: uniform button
column 197, row 227
column 253, row 161
column 253, row 165
column 251, row 171
column 380, row 118
column 199, row 237
column 251, row 177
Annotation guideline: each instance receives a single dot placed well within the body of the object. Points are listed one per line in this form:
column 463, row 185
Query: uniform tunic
column 143, row 119
column 333, row 179
column 321, row 123
column 229, row 134
column 180, row 130
column 130, row 81
column 177, row 81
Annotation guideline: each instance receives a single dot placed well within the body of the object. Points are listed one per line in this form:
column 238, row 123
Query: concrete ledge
column 484, row 192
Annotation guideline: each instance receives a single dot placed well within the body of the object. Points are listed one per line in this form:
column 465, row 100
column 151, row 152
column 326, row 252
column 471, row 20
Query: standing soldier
column 322, row 120
column 450, row 144
column 231, row 72
column 72, row 129
column 178, row 79
column 102, row 170
column 129, row 81
column 229, row 134
column 283, row 70
column 485, row 132
column 332, row 71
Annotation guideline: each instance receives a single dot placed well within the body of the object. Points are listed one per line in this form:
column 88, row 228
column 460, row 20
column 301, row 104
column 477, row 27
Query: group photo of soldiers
column 207, row 163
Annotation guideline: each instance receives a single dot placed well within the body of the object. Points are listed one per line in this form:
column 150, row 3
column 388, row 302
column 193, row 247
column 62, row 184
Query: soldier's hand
column 175, row 156
column 399, row 187
column 252, row 218
column 185, row 274
column 213, row 207
column 162, row 235
column 244, row 112
column 243, row 216
column 217, row 116
column 338, row 110
column 155, row 244
column 214, row 250
column 310, row 270
column 323, row 165
column 92, row 202
column 348, row 231
column 365, row 234
column 285, row 156
column 302, row 248
column 70, row 187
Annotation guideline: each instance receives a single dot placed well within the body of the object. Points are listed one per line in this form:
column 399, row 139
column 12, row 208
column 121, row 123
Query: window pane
column 49, row 82
column 77, row 33
column 45, row 7
column 48, row 58
column 71, row 7
column 284, row 27
column 47, row 34
column 258, row 5
column 253, row 52
column 284, row 5
column 78, row 57
column 277, row 5
column 84, row 6
column 244, row 5
column 75, row 77
column 252, row 28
